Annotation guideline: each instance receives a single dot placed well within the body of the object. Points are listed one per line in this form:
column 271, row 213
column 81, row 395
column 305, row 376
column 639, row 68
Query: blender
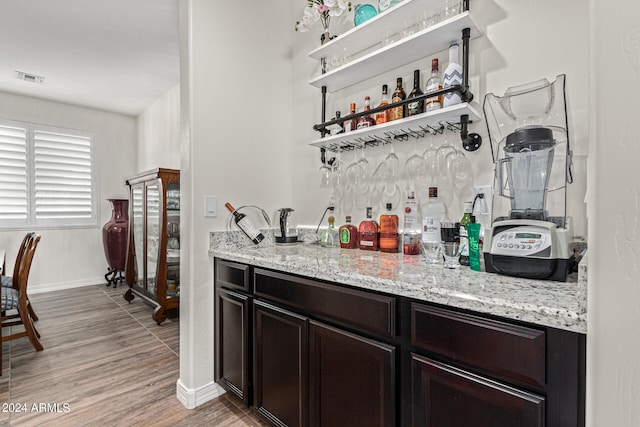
column 531, row 236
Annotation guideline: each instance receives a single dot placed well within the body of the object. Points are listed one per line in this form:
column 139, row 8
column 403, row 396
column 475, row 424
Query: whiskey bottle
column 368, row 233
column 389, row 241
column 385, row 115
column 398, row 95
column 348, row 235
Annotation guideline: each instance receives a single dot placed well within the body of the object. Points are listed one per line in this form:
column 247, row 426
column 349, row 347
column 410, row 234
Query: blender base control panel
column 522, row 241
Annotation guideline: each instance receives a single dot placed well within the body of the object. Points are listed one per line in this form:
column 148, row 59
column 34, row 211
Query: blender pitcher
column 528, row 159
column 530, row 146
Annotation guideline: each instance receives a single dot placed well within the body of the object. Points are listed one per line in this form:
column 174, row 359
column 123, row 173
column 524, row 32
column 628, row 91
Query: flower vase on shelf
column 114, row 240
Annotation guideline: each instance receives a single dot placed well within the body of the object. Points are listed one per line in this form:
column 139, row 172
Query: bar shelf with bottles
column 422, row 43
column 436, row 121
column 419, row 45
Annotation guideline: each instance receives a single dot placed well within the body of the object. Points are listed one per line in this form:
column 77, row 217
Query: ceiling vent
column 32, row 78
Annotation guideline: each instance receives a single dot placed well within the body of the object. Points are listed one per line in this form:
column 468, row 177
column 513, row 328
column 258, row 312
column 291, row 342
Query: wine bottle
column 366, row 121
column 416, row 107
column 433, row 84
column 398, row 95
column 452, row 77
column 385, row 115
column 247, row 227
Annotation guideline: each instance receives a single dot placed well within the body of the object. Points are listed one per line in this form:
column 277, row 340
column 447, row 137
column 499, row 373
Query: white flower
column 309, row 18
column 336, row 7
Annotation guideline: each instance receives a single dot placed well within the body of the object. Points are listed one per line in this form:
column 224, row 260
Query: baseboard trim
column 48, row 287
column 191, row 398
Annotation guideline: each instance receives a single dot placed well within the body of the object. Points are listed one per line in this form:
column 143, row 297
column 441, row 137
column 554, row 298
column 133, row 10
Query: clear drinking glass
column 432, row 252
column 451, row 252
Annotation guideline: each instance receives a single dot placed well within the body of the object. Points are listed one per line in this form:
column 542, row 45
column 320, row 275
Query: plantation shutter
column 14, row 195
column 62, row 174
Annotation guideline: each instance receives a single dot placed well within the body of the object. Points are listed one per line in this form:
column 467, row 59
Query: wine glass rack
column 419, row 45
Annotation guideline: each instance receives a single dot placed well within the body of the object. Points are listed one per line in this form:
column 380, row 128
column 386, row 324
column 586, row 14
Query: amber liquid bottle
column 352, row 124
column 389, row 241
column 368, row 233
column 366, row 121
column 385, row 115
column 398, row 95
column 348, row 235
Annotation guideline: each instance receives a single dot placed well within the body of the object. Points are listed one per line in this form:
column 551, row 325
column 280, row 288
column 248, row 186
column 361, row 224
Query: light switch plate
column 210, row 206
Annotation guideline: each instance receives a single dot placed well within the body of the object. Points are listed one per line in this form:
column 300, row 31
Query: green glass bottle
column 464, row 236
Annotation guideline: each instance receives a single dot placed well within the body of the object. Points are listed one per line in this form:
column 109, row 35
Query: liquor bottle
column 433, row 214
column 336, row 128
column 452, row 77
column 329, row 237
column 389, row 241
column 368, row 233
column 352, row 124
column 464, row 236
column 341, row 124
column 348, row 235
column 398, row 95
column 433, row 84
column 416, row 107
column 385, row 115
column 366, row 121
column 247, row 227
column 412, row 229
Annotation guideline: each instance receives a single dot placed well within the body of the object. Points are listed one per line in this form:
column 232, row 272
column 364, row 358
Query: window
column 47, row 177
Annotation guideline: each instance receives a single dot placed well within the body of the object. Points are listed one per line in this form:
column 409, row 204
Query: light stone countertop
column 559, row 305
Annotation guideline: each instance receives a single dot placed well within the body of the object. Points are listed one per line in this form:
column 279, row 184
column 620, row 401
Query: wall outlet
column 483, row 205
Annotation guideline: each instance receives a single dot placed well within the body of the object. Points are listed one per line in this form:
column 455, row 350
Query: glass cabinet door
column 137, row 222
column 173, row 240
column 153, row 234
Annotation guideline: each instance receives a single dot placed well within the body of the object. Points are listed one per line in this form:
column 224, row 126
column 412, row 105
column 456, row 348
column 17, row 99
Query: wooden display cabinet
column 153, row 254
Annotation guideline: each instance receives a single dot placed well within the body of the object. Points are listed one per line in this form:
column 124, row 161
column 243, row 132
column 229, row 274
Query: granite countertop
column 559, row 305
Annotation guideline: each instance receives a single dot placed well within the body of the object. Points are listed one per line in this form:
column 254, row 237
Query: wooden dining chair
column 16, row 300
column 12, row 281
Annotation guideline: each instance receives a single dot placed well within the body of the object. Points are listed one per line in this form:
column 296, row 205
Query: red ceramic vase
column 114, row 234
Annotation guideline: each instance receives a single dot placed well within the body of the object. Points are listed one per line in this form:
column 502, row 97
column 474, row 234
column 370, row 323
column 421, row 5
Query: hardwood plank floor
column 105, row 363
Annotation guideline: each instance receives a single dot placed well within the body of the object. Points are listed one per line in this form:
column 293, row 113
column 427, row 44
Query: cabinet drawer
column 361, row 310
column 232, row 275
column 508, row 351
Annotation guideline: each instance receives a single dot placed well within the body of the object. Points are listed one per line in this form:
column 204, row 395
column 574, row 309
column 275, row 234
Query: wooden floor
column 105, row 363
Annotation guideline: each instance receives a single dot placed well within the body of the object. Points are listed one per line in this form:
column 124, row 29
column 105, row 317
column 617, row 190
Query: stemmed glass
column 445, row 185
column 392, row 161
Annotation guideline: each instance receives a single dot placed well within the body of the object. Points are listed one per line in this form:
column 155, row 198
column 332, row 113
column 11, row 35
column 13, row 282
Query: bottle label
column 366, row 243
column 431, row 230
column 248, row 227
column 464, row 242
column 345, row 235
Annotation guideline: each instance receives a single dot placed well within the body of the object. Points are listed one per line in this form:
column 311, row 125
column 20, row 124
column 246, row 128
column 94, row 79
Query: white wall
column 68, row 258
column 159, row 133
column 613, row 372
column 236, row 85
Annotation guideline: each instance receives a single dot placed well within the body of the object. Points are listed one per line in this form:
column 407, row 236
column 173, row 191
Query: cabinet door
column 153, row 208
column 232, row 343
column 137, row 225
column 280, row 365
column 444, row 396
column 352, row 379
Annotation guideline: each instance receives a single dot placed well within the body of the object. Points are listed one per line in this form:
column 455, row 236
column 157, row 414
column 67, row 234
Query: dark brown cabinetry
column 444, row 396
column 303, row 352
column 232, row 342
column 352, row 379
column 280, row 365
